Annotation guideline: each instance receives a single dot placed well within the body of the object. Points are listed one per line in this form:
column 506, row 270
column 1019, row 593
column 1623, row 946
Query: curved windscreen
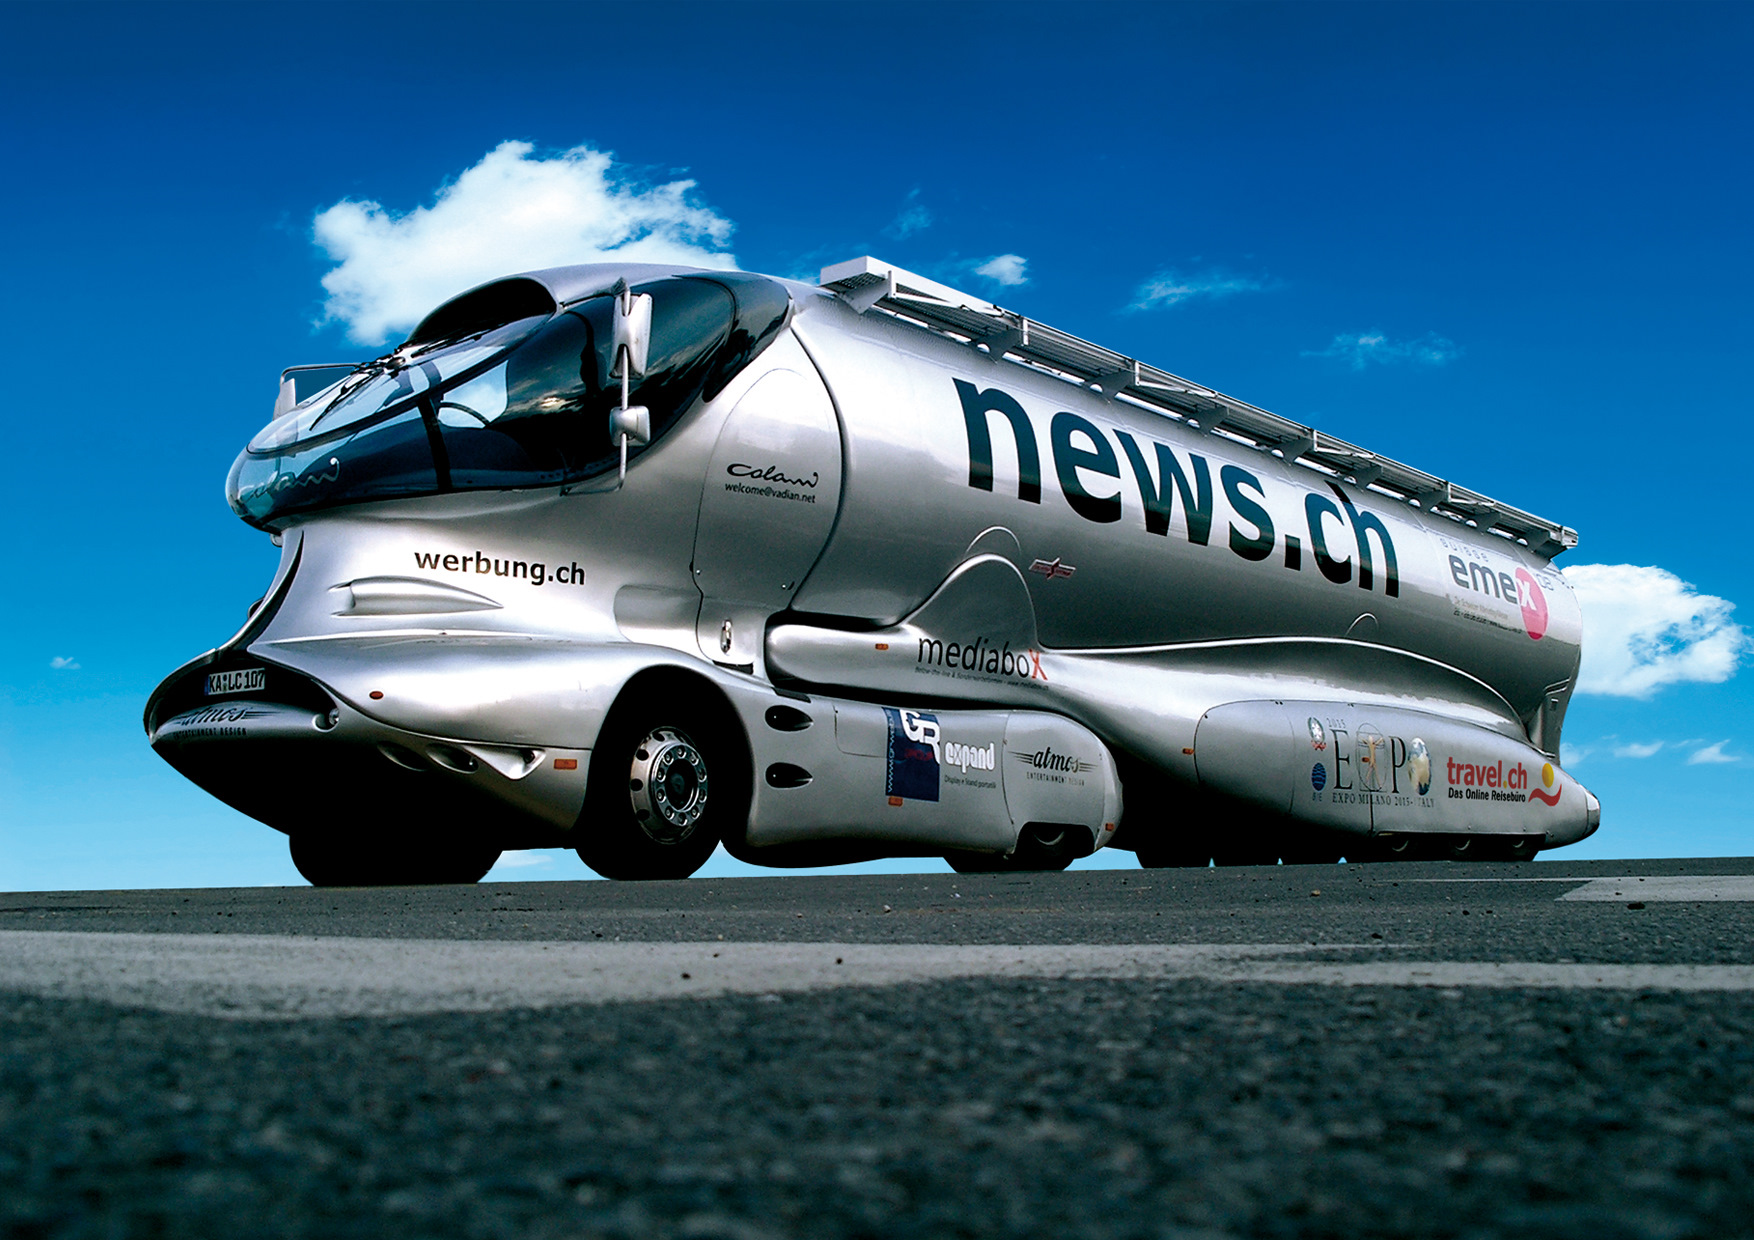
column 519, row 404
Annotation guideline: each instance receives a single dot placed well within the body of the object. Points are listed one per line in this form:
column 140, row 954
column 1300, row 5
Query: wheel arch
column 693, row 691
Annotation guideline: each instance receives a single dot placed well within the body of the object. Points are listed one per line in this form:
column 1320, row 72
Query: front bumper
column 300, row 759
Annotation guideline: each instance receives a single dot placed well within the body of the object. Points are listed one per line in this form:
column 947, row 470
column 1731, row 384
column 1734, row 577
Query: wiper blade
column 381, row 367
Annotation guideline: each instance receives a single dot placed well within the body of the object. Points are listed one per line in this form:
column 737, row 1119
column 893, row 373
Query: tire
column 1507, row 847
column 1041, row 846
column 668, row 779
column 337, row 861
column 1048, row 846
column 1382, row 848
column 1523, row 848
column 1459, row 848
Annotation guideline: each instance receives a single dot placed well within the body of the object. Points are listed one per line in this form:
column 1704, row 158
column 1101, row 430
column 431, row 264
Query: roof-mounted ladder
column 867, row 283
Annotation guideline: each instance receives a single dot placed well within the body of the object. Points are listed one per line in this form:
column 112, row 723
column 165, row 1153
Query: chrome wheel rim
column 667, row 785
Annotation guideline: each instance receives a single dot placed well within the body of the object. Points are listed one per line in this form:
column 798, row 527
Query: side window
column 691, row 321
column 762, row 306
column 503, row 392
column 549, row 376
column 543, row 415
column 536, row 418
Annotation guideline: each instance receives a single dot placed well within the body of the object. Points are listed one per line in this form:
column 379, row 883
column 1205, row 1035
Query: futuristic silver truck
column 640, row 560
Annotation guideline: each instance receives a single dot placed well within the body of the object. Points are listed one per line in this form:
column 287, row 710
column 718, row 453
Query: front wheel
column 666, row 783
column 327, row 860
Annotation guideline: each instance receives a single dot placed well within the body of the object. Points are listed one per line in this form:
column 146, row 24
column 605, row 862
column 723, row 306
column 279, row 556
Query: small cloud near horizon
column 1169, row 288
column 912, row 218
column 1636, row 750
column 61, row 663
column 1366, row 348
column 1009, row 270
column 1712, row 754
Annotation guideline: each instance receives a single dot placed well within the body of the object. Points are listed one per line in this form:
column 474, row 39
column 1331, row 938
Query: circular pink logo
column 1534, row 604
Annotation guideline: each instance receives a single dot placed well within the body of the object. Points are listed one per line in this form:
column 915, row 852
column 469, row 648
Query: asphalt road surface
column 1550, row 1049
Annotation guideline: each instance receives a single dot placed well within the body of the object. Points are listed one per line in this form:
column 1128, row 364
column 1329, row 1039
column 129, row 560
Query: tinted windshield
column 380, row 389
column 520, row 405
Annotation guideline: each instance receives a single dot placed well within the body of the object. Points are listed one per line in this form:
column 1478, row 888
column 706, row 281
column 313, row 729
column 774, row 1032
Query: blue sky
column 1506, row 243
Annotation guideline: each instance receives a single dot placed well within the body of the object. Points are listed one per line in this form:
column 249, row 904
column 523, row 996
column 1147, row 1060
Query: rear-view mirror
column 633, row 334
column 633, row 423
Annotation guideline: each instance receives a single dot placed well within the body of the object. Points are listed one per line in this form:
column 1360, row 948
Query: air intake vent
column 787, row 719
column 785, row 775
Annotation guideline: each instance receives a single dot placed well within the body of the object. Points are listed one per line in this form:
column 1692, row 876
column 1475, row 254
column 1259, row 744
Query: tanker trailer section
column 644, row 560
column 1393, row 777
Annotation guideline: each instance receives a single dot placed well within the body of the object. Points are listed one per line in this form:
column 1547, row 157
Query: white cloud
column 61, row 663
column 913, row 218
column 1364, row 348
column 1007, row 269
column 1570, row 755
column 511, row 212
column 1711, row 754
column 1644, row 628
column 1168, row 288
column 1636, row 750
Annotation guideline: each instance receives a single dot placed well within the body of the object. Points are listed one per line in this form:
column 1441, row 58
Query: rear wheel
column 1040, row 846
column 1507, row 847
column 667, row 781
column 329, row 860
column 1382, row 848
column 1459, row 848
column 1523, row 848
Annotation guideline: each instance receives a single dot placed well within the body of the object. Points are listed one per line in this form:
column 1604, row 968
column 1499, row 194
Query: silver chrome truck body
column 948, row 594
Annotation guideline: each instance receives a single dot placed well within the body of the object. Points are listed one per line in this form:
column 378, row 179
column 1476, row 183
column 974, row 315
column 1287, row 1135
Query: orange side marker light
column 566, row 764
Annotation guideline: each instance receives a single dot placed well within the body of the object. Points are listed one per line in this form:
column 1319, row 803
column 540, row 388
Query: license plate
column 249, row 680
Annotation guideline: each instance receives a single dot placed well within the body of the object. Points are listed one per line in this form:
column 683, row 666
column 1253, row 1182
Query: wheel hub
column 667, row 785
